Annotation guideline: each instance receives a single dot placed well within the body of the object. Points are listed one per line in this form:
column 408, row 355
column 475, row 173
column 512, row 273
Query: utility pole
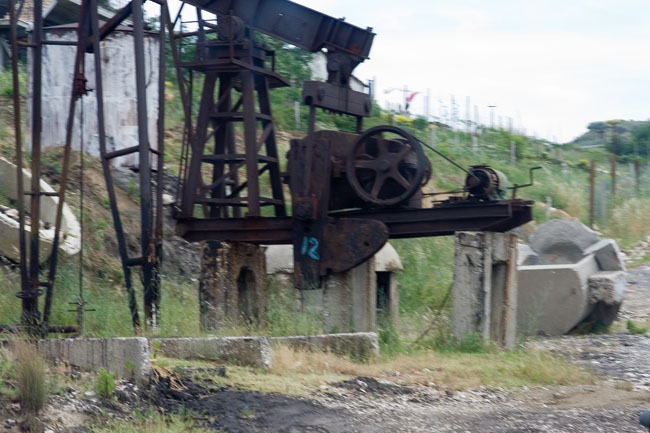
column 492, row 107
column 592, row 196
column 613, row 155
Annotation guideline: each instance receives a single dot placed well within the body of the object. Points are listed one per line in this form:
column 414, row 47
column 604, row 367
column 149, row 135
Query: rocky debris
column 371, row 385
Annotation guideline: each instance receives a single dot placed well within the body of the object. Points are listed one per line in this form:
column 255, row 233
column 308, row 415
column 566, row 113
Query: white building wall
column 120, row 110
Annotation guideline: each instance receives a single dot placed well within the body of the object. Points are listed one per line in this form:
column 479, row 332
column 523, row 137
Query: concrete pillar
column 232, row 286
column 484, row 291
column 350, row 300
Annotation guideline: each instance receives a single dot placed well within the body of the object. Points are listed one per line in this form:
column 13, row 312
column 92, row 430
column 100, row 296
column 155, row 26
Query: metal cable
column 454, row 163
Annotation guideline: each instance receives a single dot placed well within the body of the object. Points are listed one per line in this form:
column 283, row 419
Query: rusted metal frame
column 407, row 223
column 271, row 145
column 235, row 191
column 151, row 297
column 24, row 287
column 31, row 315
column 185, row 98
column 200, row 45
column 157, row 240
column 220, row 142
column 198, row 145
column 230, row 173
column 108, row 178
column 250, row 142
column 110, row 25
column 78, row 89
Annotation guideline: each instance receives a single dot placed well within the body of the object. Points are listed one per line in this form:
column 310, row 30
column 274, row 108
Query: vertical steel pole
column 158, row 229
column 145, row 169
column 78, row 89
column 24, row 287
column 110, row 189
column 31, row 315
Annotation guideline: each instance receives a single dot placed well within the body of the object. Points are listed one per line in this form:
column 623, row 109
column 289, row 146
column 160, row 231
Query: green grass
column 150, row 422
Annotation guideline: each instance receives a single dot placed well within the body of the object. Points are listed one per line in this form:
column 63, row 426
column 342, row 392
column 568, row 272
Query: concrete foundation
column 349, row 301
column 249, row 351
column 124, row 357
column 484, row 291
column 358, row 345
column 232, row 287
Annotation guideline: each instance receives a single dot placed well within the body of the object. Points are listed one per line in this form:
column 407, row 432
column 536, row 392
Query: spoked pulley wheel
column 386, row 165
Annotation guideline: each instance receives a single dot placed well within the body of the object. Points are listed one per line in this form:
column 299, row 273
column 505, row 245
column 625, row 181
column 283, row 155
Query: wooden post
column 637, row 176
column 592, row 176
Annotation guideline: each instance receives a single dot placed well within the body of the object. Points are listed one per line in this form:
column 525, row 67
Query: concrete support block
column 357, row 345
column 484, row 291
column 232, row 285
column 552, row 299
column 607, row 254
column 124, row 357
column 349, row 300
column 249, row 351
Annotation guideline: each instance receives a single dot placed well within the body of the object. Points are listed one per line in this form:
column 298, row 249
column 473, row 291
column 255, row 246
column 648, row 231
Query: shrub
column 29, row 373
column 105, row 384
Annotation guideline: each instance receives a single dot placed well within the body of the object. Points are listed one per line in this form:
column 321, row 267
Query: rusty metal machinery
column 350, row 192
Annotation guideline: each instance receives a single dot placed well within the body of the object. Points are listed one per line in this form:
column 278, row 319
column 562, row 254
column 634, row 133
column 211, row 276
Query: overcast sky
column 552, row 65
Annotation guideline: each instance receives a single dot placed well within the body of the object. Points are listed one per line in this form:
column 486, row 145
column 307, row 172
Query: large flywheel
column 386, row 165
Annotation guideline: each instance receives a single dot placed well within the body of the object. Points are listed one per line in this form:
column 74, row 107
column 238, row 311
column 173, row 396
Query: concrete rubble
column 9, row 247
column 568, row 275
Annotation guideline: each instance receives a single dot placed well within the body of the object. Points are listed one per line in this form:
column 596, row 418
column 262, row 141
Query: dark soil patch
column 234, row 411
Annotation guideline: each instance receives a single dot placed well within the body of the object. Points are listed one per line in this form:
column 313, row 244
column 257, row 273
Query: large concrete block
column 249, row 351
column 607, row 254
column 357, row 345
column 124, row 357
column 562, row 241
column 552, row 299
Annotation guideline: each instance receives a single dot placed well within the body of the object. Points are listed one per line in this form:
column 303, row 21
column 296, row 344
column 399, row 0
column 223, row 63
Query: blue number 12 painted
column 310, row 247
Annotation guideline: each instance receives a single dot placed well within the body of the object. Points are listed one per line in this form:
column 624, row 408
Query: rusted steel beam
column 406, row 223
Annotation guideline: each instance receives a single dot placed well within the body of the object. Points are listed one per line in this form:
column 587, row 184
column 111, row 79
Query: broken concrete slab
column 608, row 255
column 126, row 357
column 606, row 291
column 562, row 241
column 9, row 231
column 607, row 287
column 248, row 351
column 357, row 345
column 553, row 299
